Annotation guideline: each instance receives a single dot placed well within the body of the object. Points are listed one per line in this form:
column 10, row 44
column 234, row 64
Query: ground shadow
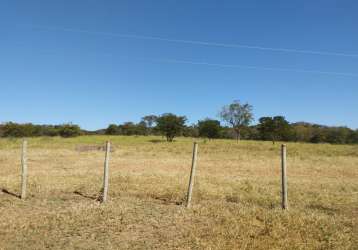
column 167, row 201
column 5, row 191
column 96, row 198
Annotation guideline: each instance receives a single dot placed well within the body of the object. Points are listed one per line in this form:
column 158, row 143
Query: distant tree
column 209, row 128
column 302, row 132
column 355, row 136
column 69, row 130
column 170, row 125
column 128, row 128
column 250, row 133
column 274, row 128
column 338, row 135
column 190, row 131
column 237, row 115
column 112, row 130
column 50, row 130
column 227, row 133
column 11, row 129
column 1, row 130
column 142, row 128
column 318, row 137
column 150, row 120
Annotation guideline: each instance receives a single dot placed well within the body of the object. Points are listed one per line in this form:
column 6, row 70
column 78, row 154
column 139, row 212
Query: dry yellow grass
column 236, row 201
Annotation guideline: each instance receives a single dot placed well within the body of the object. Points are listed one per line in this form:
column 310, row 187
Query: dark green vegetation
column 11, row 129
column 170, row 125
column 237, row 118
column 209, row 128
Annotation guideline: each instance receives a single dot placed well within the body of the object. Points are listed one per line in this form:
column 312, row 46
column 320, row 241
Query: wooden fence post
column 23, row 169
column 284, row 177
column 192, row 174
column 106, row 172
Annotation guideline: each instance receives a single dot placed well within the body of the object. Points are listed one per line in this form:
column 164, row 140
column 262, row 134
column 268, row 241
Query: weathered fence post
column 284, row 177
column 192, row 174
column 23, row 169
column 106, row 172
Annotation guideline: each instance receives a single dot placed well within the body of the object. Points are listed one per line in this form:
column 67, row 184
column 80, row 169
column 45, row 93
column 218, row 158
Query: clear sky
column 95, row 62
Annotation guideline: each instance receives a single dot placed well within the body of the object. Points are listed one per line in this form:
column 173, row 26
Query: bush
column 209, row 128
column 69, row 130
column 11, row 129
column 112, row 130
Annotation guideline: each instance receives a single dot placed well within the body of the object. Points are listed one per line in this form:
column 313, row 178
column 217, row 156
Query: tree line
column 235, row 123
column 12, row 129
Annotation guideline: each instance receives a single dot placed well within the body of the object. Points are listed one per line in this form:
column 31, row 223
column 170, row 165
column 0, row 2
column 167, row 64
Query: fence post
column 284, row 177
column 23, row 169
column 106, row 172
column 192, row 174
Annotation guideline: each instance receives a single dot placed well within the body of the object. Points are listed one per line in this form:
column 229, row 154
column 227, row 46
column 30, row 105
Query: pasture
column 236, row 200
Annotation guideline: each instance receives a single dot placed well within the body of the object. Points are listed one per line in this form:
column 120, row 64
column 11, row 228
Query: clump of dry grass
column 236, row 203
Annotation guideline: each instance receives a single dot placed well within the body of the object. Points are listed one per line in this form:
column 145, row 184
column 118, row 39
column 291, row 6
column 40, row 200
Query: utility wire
column 175, row 61
column 253, row 67
column 194, row 42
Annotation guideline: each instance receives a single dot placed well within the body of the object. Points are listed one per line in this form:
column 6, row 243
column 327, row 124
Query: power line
column 172, row 61
column 252, row 67
column 194, row 42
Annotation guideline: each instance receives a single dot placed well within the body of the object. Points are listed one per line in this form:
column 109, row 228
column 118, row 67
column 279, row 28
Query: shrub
column 69, row 130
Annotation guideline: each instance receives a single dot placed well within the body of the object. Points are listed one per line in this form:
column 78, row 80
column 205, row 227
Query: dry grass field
column 236, row 199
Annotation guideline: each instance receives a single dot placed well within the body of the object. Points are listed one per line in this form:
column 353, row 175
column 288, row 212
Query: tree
column 274, row 128
column 141, row 128
column 69, row 130
column 11, row 129
column 1, row 130
column 355, row 136
column 128, row 128
column 237, row 115
column 149, row 122
column 170, row 125
column 209, row 128
column 190, row 131
column 302, row 131
column 338, row 135
column 112, row 130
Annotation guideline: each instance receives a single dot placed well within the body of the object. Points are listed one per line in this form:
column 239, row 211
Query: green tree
column 142, row 128
column 112, row 130
column 190, row 131
column 11, row 129
column 302, row 131
column 50, row 130
column 355, row 136
column 338, row 135
column 149, row 122
column 237, row 115
column 69, row 130
column 209, row 128
column 170, row 125
column 128, row 128
column 274, row 128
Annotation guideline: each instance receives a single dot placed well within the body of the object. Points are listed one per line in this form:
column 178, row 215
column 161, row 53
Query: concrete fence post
column 284, row 176
column 106, row 172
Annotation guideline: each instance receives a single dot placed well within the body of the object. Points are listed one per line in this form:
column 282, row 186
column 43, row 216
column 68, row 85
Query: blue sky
column 92, row 62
